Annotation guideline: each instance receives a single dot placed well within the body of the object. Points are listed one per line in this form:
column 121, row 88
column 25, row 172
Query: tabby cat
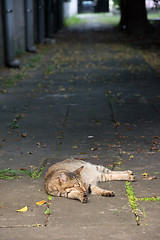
column 76, row 178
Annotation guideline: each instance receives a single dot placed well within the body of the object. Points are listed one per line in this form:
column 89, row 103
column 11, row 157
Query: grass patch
column 92, row 18
column 49, row 69
column 74, row 20
column 153, row 15
column 33, row 61
column 14, row 174
column 12, row 80
column 108, row 18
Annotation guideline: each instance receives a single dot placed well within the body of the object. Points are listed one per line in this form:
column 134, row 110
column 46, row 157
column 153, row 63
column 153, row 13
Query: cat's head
column 74, row 185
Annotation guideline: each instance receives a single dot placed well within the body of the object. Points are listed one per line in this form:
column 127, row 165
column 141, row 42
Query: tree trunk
column 134, row 17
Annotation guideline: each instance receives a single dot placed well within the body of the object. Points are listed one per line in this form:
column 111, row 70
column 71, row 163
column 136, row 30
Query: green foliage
column 13, row 174
column 37, row 173
column 49, row 197
column 33, row 61
column 74, row 20
column 12, row 80
column 150, row 199
column 131, row 197
column 116, row 3
column 48, row 212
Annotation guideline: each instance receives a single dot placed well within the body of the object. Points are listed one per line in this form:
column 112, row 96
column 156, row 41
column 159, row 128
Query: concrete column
column 29, row 26
column 49, row 18
column 40, row 15
column 8, row 13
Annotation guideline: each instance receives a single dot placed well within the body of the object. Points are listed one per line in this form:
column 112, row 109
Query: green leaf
column 47, row 212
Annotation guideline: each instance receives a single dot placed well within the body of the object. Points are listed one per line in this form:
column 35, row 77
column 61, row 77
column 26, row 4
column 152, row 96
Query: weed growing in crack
column 13, row 174
column 150, row 199
column 48, row 211
column 133, row 201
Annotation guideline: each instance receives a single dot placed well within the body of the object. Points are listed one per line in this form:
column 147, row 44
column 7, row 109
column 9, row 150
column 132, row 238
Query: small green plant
column 14, row 125
column 150, row 199
column 49, row 197
column 49, row 69
column 131, row 197
column 37, row 173
column 133, row 201
column 33, row 61
column 13, row 174
column 12, row 80
column 48, row 211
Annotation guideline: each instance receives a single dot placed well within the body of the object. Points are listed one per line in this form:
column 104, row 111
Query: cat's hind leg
column 117, row 175
column 99, row 191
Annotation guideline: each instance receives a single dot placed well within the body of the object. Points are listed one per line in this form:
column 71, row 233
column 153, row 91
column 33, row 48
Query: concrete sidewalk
column 91, row 97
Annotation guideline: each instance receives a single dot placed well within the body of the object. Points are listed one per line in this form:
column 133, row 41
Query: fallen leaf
column 24, row 135
column 116, row 124
column 74, row 147
column 40, row 203
column 154, row 148
column 118, row 163
column 3, row 90
column 59, row 137
column 139, row 150
column 145, row 174
column 24, row 209
column 62, row 89
column 156, row 137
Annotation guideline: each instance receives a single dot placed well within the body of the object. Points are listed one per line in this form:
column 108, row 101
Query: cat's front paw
column 84, row 198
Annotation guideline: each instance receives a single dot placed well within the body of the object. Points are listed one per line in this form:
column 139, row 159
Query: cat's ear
column 78, row 171
column 63, row 178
